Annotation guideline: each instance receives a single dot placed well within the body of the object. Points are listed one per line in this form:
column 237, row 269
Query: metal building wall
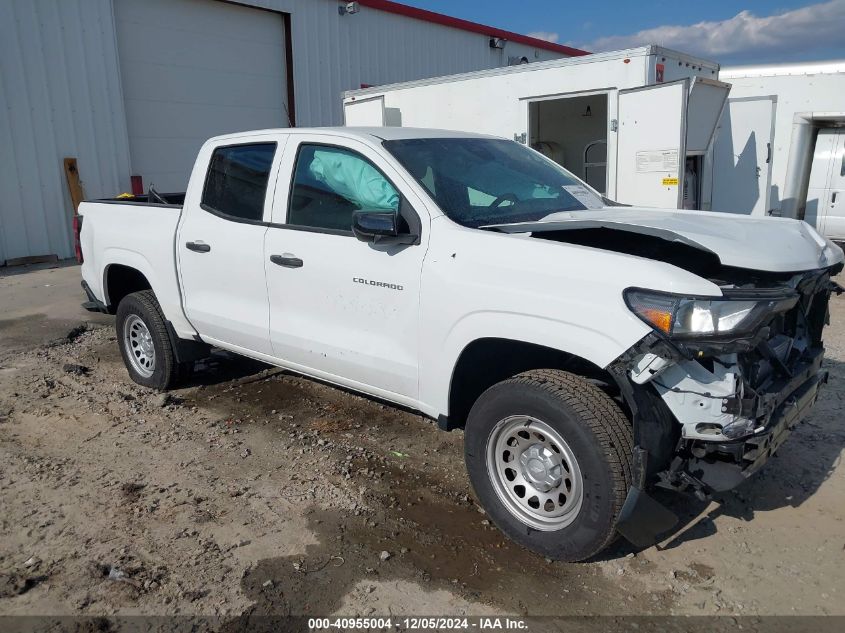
column 59, row 96
column 334, row 53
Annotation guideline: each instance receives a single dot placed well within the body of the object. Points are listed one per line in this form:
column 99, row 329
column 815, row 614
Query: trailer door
column 742, row 157
column 364, row 112
column 706, row 102
column 651, row 145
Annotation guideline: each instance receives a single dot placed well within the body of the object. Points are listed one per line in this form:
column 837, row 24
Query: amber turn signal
column 660, row 319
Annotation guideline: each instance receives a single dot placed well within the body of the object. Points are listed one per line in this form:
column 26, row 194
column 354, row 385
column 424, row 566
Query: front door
column 220, row 247
column 342, row 309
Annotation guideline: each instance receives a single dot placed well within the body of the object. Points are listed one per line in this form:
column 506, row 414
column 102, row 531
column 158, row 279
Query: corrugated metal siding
column 194, row 69
column 59, row 96
column 334, row 53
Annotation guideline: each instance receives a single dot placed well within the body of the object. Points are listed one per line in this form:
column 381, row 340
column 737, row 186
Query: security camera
column 351, row 8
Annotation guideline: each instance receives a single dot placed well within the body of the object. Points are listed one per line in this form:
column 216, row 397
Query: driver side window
column 330, row 183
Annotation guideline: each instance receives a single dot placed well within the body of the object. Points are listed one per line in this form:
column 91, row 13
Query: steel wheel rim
column 534, row 473
column 138, row 343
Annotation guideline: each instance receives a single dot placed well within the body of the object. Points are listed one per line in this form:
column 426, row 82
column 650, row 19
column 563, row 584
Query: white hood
column 767, row 244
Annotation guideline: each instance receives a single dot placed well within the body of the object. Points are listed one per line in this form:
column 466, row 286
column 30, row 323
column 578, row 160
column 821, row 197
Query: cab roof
column 369, row 133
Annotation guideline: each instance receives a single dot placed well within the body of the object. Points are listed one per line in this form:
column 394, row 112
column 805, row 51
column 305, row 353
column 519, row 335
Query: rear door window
column 236, row 183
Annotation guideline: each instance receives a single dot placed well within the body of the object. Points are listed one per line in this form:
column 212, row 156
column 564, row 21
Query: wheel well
column 487, row 361
column 122, row 280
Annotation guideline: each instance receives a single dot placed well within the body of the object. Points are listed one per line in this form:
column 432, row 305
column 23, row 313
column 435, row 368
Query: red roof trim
column 466, row 25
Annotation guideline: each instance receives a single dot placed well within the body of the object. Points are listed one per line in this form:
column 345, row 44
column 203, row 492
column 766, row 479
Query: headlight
column 705, row 317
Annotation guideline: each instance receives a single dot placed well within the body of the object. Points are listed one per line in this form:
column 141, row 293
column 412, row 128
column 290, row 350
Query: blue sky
column 749, row 31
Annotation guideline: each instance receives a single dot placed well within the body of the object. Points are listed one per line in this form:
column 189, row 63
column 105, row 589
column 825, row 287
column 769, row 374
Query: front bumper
column 707, row 416
column 720, row 466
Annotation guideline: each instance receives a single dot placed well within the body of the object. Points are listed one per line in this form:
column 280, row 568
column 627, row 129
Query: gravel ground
column 254, row 491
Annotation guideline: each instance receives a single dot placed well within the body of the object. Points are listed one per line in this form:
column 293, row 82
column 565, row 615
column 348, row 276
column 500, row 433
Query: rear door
column 834, row 225
column 742, row 157
column 651, row 145
column 825, row 208
column 342, row 309
column 220, row 243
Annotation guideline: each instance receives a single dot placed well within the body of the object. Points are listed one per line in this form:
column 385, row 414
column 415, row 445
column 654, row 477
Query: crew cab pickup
column 590, row 350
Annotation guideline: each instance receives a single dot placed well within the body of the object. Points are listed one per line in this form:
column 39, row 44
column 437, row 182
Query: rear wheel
column 549, row 457
column 144, row 343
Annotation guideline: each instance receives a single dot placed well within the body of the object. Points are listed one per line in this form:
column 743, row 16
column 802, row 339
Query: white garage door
column 192, row 69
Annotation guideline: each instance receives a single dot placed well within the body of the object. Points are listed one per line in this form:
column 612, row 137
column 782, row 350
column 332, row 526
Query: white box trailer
column 632, row 123
column 780, row 149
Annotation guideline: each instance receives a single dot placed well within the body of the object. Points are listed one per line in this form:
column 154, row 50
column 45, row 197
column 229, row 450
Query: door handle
column 198, row 246
column 288, row 261
column 833, row 197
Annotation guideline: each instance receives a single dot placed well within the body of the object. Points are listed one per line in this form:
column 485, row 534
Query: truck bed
column 171, row 200
column 139, row 235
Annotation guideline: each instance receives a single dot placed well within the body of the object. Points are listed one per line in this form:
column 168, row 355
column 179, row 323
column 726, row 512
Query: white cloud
column 545, row 35
column 810, row 28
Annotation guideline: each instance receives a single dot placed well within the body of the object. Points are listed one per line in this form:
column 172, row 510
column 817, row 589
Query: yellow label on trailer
column 670, row 181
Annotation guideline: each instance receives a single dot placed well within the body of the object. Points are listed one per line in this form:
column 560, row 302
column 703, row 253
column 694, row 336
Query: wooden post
column 73, row 183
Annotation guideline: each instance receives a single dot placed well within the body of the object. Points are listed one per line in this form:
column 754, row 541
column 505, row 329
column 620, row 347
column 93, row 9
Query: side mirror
column 380, row 227
column 370, row 226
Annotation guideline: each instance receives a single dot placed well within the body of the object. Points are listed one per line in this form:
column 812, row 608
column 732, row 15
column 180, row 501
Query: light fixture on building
column 497, row 42
column 350, row 7
column 588, row 111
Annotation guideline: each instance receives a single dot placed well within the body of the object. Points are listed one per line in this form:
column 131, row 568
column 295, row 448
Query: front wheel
column 549, row 457
column 144, row 343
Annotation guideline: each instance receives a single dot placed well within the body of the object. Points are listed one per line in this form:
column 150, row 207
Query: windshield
column 480, row 181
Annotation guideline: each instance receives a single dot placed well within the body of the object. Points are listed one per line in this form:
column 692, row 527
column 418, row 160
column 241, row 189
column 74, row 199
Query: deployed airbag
column 354, row 179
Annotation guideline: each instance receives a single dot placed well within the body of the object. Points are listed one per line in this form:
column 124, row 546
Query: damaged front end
column 719, row 384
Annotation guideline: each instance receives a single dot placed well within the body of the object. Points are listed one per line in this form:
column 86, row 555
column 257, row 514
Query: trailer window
column 480, row 181
column 236, row 183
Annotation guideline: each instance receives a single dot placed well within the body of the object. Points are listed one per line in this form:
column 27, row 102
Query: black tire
column 599, row 437
column 144, row 305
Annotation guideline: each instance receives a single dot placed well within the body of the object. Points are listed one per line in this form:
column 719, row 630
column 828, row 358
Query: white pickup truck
column 589, row 350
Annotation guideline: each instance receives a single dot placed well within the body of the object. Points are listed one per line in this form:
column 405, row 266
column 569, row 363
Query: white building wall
column 60, row 94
